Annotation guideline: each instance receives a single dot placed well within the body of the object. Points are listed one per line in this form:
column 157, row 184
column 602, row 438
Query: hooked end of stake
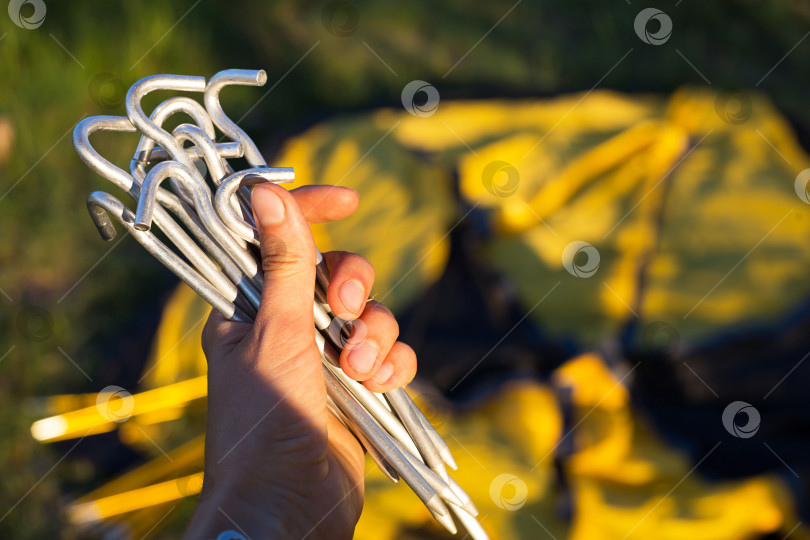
column 143, row 217
column 100, row 218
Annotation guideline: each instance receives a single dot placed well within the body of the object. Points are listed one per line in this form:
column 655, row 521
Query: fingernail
column 363, row 356
column 353, row 295
column 384, row 373
column 267, row 206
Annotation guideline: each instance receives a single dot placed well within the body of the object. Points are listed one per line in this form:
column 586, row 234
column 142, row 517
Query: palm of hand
column 277, row 463
column 316, row 470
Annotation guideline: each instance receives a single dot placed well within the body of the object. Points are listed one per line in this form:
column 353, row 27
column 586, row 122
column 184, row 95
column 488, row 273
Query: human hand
column 277, row 464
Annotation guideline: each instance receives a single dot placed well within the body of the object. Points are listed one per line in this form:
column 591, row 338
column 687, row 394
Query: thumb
column 288, row 264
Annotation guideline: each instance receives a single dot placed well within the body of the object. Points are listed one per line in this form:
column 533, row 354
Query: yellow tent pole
column 98, row 418
column 141, row 523
column 576, row 175
column 189, row 456
column 136, row 499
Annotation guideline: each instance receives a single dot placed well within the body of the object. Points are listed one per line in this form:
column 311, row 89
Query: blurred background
column 591, row 219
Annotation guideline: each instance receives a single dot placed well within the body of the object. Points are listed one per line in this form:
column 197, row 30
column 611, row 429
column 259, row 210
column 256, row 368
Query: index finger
column 325, row 203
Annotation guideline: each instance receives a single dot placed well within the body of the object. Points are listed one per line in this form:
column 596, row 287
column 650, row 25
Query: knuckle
column 379, row 308
column 213, row 333
column 219, row 334
column 274, row 252
column 334, row 259
column 340, row 262
column 407, row 378
column 384, row 315
column 207, row 335
column 402, row 378
column 360, row 261
column 407, row 366
column 410, row 373
column 365, row 268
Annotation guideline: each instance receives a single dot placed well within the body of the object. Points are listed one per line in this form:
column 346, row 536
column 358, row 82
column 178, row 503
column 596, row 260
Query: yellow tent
column 681, row 217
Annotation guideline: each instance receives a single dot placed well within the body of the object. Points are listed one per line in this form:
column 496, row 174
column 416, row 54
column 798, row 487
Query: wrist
column 265, row 515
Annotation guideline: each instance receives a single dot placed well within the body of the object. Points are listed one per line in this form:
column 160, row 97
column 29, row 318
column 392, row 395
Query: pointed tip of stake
column 436, row 505
column 447, row 522
column 261, row 77
column 389, row 471
column 447, row 457
column 450, row 496
column 442, row 472
column 473, row 527
column 468, row 505
column 470, row 508
column 141, row 226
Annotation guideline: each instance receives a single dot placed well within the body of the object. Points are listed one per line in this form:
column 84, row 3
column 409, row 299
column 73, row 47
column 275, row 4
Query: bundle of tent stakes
column 208, row 218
